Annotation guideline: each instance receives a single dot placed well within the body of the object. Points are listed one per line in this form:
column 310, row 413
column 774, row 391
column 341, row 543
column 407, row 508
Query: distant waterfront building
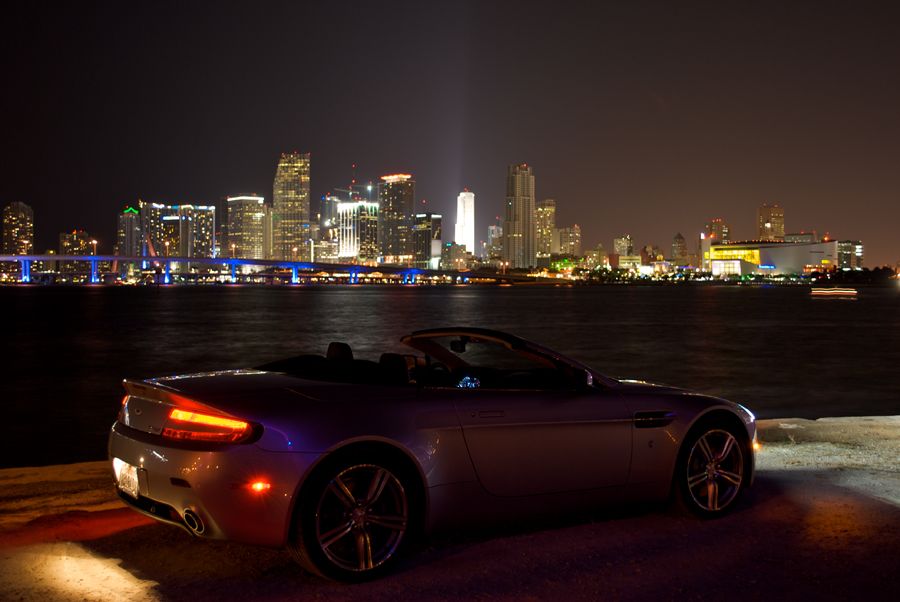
column 178, row 230
column 770, row 222
column 76, row 242
column 18, row 236
column 128, row 233
column 597, row 258
column 396, row 197
column 18, row 229
column 623, row 246
column 427, row 240
column 495, row 243
column 519, row 231
column 247, row 217
column 453, row 256
column 717, row 230
column 290, row 207
column 679, row 250
column 465, row 220
column 545, row 230
column 357, row 231
column 768, row 257
column 569, row 240
column 850, row 254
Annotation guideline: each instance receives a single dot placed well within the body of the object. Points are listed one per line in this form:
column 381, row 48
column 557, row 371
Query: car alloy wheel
column 361, row 517
column 713, row 472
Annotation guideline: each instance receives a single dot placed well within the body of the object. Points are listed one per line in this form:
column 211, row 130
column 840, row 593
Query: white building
column 357, row 230
column 465, row 220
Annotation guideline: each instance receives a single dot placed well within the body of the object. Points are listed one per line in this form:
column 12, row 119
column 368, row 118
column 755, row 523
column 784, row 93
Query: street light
column 167, row 248
column 94, row 242
column 294, row 254
column 233, row 245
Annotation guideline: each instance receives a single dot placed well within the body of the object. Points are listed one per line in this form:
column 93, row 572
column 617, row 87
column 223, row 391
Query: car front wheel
column 711, row 471
column 353, row 520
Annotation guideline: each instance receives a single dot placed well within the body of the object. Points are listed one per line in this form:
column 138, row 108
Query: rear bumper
column 214, row 485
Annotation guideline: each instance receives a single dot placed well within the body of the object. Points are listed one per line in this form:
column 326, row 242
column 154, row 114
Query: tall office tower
column 328, row 218
column 545, row 225
column 358, row 231
column 18, row 229
column 128, row 233
column 717, row 231
column 519, row 228
column 290, row 207
column 465, row 220
column 770, row 222
column 623, row 245
column 246, row 227
column 570, row 241
column 427, row 240
column 679, row 250
column 396, row 197
column 495, row 242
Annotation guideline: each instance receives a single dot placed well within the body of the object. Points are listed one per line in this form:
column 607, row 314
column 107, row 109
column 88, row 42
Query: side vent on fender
column 652, row 420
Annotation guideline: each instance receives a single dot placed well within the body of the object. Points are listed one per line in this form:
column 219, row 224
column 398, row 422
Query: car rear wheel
column 353, row 520
column 710, row 475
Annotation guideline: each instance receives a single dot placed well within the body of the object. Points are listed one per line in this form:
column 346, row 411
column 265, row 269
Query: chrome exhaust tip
column 194, row 522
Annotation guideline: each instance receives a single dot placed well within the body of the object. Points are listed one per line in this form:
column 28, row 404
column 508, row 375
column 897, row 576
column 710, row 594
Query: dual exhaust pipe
column 193, row 522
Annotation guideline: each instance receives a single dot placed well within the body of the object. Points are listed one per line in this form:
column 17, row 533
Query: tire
column 354, row 519
column 712, row 470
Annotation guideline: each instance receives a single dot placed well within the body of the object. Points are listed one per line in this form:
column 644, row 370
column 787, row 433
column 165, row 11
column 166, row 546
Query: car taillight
column 194, row 426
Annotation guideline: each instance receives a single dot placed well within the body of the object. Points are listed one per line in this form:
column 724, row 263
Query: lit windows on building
column 18, row 236
column 569, row 241
column 290, row 206
column 427, row 240
column 545, row 231
column 128, row 233
column 519, row 231
column 247, row 215
column 850, row 254
column 396, row 197
column 770, row 222
column 623, row 245
column 717, row 230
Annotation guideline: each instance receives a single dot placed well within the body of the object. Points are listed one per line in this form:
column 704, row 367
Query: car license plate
column 127, row 479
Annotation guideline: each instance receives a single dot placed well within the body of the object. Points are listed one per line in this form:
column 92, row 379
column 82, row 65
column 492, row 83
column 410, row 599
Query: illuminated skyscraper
column 570, row 240
column 290, row 206
column 76, row 242
column 850, row 254
column 357, row 231
column 718, row 231
column 18, row 229
column 178, row 230
column 495, row 242
column 770, row 222
column 519, row 228
column 465, row 220
column 396, row 196
column 623, row 245
column 247, row 215
column 128, row 233
column 427, row 240
column 545, row 226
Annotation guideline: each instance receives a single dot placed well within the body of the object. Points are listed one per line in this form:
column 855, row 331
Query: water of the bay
column 775, row 349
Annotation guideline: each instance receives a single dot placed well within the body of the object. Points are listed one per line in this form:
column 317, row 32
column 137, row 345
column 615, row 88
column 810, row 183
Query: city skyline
column 648, row 118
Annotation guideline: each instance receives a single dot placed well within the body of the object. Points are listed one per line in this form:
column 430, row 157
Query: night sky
column 646, row 118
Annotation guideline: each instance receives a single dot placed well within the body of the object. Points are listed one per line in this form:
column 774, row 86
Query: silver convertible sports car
column 346, row 461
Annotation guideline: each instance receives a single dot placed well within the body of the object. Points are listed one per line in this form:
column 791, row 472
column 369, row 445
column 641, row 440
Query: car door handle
column 491, row 413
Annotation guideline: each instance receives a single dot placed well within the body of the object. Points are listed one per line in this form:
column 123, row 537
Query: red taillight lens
column 206, row 427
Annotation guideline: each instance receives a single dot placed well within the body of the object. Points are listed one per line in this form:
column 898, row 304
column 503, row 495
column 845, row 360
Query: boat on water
column 833, row 292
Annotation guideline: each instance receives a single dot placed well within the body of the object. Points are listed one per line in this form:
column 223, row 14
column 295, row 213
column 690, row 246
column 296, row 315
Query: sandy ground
column 822, row 521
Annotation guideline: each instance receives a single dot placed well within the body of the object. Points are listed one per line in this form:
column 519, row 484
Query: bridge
column 295, row 270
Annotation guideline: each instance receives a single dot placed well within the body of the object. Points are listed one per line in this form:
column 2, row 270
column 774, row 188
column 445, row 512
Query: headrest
column 339, row 351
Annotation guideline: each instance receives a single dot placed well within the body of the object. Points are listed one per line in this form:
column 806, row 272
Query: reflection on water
column 776, row 349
